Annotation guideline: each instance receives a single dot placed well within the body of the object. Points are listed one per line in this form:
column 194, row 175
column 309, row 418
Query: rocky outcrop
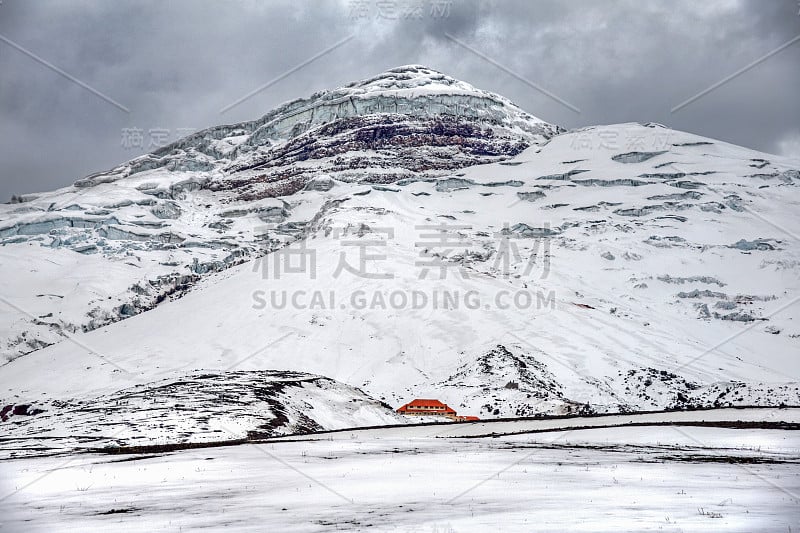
column 635, row 157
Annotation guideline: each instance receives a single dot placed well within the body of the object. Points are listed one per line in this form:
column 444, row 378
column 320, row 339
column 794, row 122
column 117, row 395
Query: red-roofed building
column 421, row 407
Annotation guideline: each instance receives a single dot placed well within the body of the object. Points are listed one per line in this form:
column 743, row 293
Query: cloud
column 789, row 145
column 176, row 64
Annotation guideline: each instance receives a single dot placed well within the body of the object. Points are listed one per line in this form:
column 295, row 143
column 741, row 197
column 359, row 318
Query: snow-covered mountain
column 164, row 219
column 454, row 247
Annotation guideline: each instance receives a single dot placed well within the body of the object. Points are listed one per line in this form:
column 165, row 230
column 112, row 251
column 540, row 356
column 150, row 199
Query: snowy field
column 644, row 478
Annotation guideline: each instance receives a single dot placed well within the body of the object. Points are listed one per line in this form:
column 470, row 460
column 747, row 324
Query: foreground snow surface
column 647, row 478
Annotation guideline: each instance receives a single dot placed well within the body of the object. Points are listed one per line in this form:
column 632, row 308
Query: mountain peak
column 430, row 124
column 419, row 81
column 412, row 68
column 406, row 76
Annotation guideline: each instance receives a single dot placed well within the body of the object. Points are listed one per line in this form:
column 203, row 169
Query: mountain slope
column 622, row 284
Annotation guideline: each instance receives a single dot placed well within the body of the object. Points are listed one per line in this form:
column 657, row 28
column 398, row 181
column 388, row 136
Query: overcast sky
column 174, row 65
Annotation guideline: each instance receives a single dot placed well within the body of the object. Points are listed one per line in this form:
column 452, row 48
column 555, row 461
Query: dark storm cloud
column 175, row 65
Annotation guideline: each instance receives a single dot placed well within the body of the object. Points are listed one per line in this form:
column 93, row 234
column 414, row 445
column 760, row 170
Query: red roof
column 419, row 402
column 428, row 406
column 471, row 418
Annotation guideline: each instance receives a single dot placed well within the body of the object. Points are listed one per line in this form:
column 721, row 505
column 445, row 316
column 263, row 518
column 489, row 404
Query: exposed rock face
column 320, row 183
column 530, row 196
column 169, row 210
column 369, row 144
column 635, row 157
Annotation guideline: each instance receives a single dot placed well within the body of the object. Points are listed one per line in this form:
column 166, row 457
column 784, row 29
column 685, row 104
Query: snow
column 644, row 269
column 631, row 478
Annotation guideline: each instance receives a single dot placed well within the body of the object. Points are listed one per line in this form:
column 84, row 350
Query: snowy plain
column 647, row 478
